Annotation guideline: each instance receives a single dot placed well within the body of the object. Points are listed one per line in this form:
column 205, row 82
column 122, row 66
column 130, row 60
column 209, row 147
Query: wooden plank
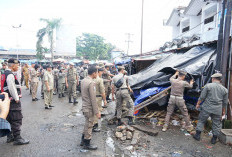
column 147, row 130
column 152, row 99
column 146, row 114
column 152, row 114
column 146, row 109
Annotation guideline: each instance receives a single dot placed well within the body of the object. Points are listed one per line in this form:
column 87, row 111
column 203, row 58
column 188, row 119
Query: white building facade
column 195, row 24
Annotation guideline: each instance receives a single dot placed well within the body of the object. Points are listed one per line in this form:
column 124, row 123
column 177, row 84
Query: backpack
column 119, row 83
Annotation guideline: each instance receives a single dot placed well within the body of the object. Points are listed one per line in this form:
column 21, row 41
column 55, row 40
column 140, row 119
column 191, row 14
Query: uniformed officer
column 48, row 87
column 71, row 80
column 122, row 94
column 89, row 107
column 176, row 98
column 61, row 82
column 44, row 68
column 34, row 73
column 107, row 83
column 12, row 87
column 55, row 75
column 26, row 75
column 215, row 99
column 100, row 95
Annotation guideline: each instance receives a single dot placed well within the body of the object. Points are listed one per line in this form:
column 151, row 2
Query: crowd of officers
column 97, row 83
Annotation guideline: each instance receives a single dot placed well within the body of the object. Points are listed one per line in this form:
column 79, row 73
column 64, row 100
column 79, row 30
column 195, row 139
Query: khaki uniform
column 61, row 82
column 176, row 98
column 55, row 74
column 72, row 82
column 106, row 78
column 42, row 82
column 123, row 95
column 48, row 94
column 26, row 76
column 99, row 90
column 34, row 82
column 89, row 105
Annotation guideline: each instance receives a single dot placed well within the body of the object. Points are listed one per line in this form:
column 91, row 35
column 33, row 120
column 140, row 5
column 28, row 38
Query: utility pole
column 225, row 50
column 141, row 49
column 128, row 42
column 16, row 28
column 224, row 68
column 220, row 38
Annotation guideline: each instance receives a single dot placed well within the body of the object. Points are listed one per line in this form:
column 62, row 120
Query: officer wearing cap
column 48, row 87
column 56, row 77
column 61, row 82
column 178, row 86
column 71, row 80
column 100, row 95
column 34, row 73
column 107, row 82
column 26, row 75
column 12, row 87
column 122, row 94
column 215, row 99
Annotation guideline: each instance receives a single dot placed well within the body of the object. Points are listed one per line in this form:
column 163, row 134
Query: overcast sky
column 111, row 19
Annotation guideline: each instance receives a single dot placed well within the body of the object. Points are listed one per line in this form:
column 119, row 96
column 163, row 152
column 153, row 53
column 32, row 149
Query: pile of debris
column 124, row 132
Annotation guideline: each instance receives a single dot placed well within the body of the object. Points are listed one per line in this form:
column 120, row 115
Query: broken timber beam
column 152, row 99
column 148, row 130
column 144, row 104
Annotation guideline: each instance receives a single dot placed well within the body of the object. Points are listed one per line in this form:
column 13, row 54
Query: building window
column 185, row 29
column 208, row 20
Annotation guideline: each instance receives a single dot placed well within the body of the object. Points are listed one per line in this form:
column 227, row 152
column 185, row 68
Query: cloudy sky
column 111, row 19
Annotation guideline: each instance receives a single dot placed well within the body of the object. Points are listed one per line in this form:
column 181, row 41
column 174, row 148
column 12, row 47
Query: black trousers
column 15, row 118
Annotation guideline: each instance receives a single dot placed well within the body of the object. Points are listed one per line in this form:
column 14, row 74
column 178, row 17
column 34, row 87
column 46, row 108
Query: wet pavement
column 57, row 132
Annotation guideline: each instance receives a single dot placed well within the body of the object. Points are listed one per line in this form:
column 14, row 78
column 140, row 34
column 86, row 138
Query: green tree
column 93, row 47
column 48, row 30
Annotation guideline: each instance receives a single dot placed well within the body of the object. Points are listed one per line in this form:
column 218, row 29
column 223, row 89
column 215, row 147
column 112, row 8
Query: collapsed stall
column 152, row 84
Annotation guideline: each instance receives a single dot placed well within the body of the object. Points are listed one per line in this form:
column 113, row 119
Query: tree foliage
column 93, row 47
column 48, row 30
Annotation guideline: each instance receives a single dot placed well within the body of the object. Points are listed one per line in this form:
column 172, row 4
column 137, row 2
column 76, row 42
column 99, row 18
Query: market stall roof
column 193, row 62
column 59, row 60
column 44, row 61
column 75, row 61
column 122, row 61
column 147, row 58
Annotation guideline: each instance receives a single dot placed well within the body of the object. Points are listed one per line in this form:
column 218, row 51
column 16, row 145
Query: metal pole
column 220, row 38
column 224, row 61
column 128, row 42
column 16, row 29
column 141, row 50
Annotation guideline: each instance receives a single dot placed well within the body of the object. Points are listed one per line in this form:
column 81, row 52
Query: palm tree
column 49, row 31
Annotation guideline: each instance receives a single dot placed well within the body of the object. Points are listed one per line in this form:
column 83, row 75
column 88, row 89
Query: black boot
column 214, row 139
column 10, row 138
column 75, row 101
column 130, row 121
column 88, row 146
column 197, row 136
column 63, row 95
column 60, row 95
column 95, row 128
column 120, row 122
column 20, row 141
column 82, row 140
column 70, row 100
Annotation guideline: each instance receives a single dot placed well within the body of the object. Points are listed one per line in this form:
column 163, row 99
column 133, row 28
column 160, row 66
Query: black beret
column 12, row 60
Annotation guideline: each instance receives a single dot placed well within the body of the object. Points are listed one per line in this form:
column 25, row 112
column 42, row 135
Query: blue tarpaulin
column 121, row 61
column 144, row 94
